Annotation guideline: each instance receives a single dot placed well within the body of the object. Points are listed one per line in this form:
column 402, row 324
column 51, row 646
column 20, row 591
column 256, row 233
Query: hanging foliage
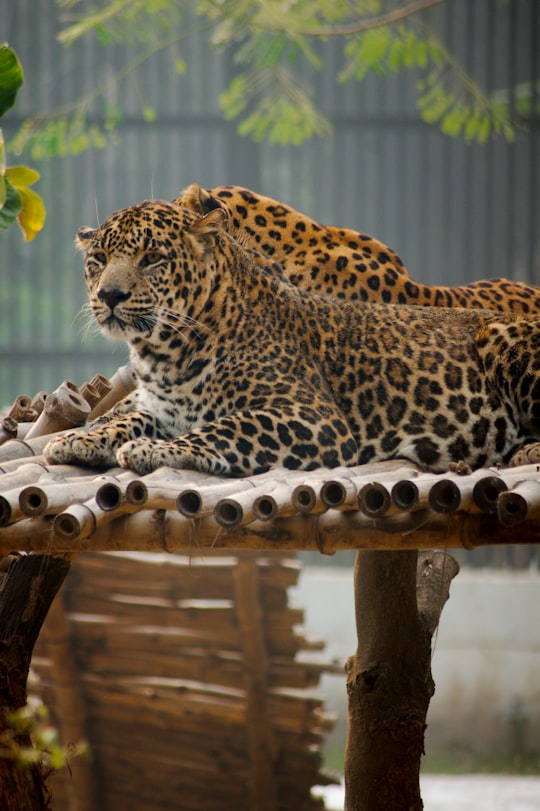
column 17, row 200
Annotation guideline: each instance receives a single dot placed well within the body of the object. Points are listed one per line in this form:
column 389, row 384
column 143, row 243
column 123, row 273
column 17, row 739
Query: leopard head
column 148, row 268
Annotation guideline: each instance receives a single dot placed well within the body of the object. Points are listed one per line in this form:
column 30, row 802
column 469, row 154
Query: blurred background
column 456, row 211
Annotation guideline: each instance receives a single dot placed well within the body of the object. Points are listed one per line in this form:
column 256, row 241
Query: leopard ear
column 84, row 236
column 196, row 199
column 208, row 228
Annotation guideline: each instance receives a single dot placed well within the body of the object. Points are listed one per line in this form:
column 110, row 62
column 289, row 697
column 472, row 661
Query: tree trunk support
column 399, row 597
column 28, row 590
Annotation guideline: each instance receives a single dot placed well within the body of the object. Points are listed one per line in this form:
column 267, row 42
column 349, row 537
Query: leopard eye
column 150, row 258
column 99, row 257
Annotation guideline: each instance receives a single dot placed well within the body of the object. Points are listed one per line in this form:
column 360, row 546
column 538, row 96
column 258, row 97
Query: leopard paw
column 78, row 448
column 528, row 454
column 139, row 455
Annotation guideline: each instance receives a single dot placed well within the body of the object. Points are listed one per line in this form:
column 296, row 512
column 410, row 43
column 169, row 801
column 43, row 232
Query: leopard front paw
column 139, row 455
column 146, row 455
column 77, row 448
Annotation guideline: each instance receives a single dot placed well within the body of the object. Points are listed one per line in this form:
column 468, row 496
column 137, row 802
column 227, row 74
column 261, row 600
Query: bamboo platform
column 388, row 505
column 64, row 510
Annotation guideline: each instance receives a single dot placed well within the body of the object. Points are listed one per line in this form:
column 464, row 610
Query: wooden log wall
column 192, row 690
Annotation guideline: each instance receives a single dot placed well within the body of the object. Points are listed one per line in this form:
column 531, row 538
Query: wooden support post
column 256, row 667
column 389, row 680
column 29, row 588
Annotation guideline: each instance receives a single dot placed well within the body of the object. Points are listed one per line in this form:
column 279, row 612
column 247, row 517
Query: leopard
column 343, row 263
column 240, row 371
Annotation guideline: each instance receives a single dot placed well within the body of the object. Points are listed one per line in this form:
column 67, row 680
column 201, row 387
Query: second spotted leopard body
column 240, row 371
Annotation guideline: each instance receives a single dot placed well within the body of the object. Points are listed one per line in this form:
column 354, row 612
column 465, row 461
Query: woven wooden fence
column 189, row 681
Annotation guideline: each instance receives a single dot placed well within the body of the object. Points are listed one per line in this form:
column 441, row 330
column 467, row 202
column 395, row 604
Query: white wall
column 486, row 661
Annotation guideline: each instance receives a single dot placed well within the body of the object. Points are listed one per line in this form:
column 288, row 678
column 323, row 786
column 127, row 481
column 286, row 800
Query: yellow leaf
column 21, row 176
column 32, row 216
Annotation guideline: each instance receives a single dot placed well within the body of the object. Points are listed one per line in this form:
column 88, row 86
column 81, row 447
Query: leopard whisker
column 90, row 326
column 179, row 322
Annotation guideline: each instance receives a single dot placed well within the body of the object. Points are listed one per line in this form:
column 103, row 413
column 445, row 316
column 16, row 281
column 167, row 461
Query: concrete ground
column 464, row 793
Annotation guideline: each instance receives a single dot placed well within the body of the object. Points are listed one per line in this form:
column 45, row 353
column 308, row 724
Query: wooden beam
column 168, row 531
column 262, row 749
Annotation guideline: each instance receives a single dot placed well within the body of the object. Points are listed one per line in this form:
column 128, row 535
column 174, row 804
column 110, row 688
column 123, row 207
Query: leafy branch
column 68, row 129
column 370, row 23
column 268, row 39
column 32, row 721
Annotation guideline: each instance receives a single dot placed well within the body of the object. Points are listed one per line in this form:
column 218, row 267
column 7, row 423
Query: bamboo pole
column 64, row 408
column 264, row 503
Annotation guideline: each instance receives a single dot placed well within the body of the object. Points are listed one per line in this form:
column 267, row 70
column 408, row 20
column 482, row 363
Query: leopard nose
column 113, row 296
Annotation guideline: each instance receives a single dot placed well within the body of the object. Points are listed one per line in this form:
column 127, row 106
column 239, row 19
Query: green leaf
column 434, row 108
column 32, row 215
column 21, row 176
column 484, row 129
column 452, row 123
column 284, row 122
column 149, row 114
column 180, row 65
column 11, row 208
column 3, row 191
column 11, row 78
column 234, row 99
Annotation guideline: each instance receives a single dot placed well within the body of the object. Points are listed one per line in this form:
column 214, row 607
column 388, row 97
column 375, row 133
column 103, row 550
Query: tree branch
column 359, row 27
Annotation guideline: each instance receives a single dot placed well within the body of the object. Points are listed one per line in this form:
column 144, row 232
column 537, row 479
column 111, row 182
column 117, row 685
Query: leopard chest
column 180, row 395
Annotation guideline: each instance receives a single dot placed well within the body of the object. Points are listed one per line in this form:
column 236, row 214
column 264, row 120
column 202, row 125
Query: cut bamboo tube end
column 374, row 499
column 445, row 496
column 512, row 508
column 405, row 495
column 33, row 500
column 122, row 383
column 109, row 497
column 265, row 508
column 20, row 408
column 189, row 503
column 77, row 522
column 8, row 429
column 340, row 494
column 90, row 394
column 304, row 498
column 520, row 503
column 486, row 492
column 228, row 513
column 136, row 493
column 38, row 402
